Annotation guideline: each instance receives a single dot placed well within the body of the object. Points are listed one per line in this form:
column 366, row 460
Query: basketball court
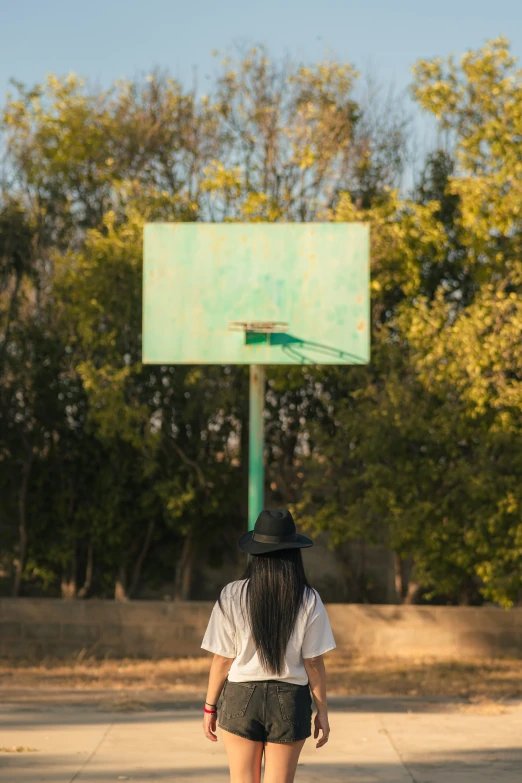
column 255, row 294
column 373, row 740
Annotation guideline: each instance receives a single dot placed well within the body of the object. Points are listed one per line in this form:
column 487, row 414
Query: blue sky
column 123, row 38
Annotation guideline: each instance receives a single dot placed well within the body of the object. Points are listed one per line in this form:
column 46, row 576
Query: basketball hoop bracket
column 260, row 327
column 257, row 332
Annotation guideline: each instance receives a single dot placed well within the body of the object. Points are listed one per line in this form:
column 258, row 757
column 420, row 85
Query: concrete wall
column 44, row 626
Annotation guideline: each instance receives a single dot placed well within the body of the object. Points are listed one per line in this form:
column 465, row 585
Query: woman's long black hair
column 276, row 588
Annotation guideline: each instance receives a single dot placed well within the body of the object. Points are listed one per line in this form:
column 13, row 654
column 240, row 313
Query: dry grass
column 479, row 678
column 475, row 680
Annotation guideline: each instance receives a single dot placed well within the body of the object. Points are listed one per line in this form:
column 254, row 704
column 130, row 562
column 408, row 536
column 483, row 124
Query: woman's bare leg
column 244, row 758
column 281, row 761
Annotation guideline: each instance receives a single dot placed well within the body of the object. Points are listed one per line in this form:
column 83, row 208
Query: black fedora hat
column 274, row 529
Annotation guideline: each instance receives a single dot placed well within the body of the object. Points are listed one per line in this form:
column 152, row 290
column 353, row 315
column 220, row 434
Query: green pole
column 256, row 439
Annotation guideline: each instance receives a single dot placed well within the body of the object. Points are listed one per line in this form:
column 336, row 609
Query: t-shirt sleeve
column 318, row 637
column 219, row 637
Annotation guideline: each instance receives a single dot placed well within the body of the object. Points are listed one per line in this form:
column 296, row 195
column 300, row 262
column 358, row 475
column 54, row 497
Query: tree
column 423, row 452
column 117, row 475
column 294, row 138
column 78, row 158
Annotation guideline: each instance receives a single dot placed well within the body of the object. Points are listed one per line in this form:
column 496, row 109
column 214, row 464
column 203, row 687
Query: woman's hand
column 209, row 726
column 218, row 673
column 321, row 722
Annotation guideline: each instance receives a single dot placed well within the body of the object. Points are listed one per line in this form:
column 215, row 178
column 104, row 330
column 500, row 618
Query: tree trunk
column 397, row 576
column 414, row 593
column 406, row 589
column 83, row 591
column 19, row 563
column 68, row 585
column 69, row 576
column 136, row 574
column 68, row 588
column 469, row 595
column 120, row 587
column 184, row 570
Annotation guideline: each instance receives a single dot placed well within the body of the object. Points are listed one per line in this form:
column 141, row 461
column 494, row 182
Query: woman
column 268, row 632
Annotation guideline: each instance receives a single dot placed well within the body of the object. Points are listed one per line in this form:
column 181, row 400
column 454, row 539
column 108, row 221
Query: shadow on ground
column 501, row 765
column 129, row 707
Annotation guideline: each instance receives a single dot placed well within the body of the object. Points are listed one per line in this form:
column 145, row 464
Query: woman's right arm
column 317, row 680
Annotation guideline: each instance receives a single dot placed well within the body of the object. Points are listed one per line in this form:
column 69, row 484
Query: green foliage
column 116, row 475
column 422, row 451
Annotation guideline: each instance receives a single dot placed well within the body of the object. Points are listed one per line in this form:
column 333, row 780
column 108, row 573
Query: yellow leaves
column 480, row 99
column 489, row 203
column 476, row 354
column 59, row 131
column 258, row 207
column 13, row 113
column 401, row 232
column 326, row 75
column 253, row 206
column 53, row 82
column 305, row 157
column 72, row 80
column 289, row 133
column 346, row 210
column 431, row 70
column 219, row 178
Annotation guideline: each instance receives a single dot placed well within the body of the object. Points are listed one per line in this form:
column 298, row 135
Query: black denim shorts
column 266, row 710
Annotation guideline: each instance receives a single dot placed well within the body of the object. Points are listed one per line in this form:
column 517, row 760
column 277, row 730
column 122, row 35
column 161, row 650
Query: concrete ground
column 97, row 737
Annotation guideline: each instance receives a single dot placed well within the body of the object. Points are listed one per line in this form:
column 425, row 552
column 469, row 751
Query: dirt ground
column 474, row 680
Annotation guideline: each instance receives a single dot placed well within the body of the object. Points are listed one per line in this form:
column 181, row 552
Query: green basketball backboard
column 209, row 288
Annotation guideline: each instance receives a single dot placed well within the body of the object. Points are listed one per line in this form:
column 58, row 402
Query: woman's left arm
column 219, row 669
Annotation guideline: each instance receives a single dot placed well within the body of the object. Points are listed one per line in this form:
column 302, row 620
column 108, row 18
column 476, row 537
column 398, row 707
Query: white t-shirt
column 229, row 635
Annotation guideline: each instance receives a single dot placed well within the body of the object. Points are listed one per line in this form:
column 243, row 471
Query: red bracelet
column 209, row 711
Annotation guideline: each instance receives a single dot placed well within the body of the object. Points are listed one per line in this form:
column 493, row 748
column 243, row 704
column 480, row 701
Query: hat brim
column 251, row 547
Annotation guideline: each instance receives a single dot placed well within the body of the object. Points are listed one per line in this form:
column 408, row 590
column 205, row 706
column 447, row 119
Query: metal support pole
column 256, row 439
